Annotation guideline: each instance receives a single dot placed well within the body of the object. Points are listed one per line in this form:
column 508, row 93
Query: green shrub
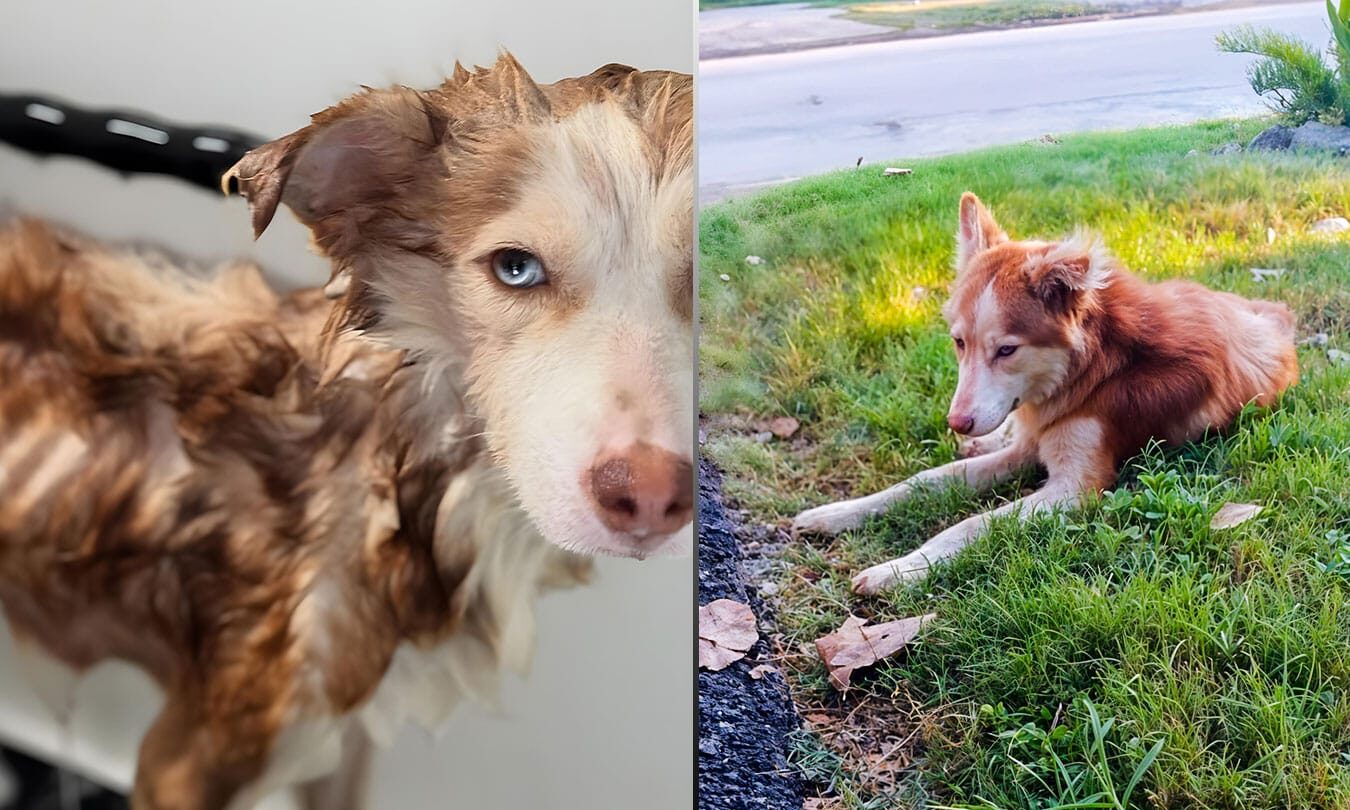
column 1293, row 75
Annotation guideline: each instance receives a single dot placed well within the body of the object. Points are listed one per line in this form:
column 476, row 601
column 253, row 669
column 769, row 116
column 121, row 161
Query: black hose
column 132, row 143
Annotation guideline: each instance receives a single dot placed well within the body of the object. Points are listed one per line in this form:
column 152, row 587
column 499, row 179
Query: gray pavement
column 769, row 118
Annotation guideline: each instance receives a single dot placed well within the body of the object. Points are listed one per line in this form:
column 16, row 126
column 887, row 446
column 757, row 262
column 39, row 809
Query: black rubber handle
column 124, row 141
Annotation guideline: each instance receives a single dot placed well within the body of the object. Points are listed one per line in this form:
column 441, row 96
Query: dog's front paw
column 832, row 518
column 888, row 575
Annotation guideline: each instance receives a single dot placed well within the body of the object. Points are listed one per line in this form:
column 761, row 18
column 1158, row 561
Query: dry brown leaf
column 856, row 645
column 762, row 670
column 818, row 719
column 726, row 631
column 1232, row 514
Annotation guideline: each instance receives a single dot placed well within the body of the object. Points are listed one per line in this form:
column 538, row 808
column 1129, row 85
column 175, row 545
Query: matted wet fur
column 308, row 519
column 1088, row 363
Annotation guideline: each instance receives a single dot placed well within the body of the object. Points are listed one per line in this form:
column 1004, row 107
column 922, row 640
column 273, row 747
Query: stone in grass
column 1230, row 148
column 1272, row 139
column 1322, row 137
column 1313, row 135
column 1330, row 225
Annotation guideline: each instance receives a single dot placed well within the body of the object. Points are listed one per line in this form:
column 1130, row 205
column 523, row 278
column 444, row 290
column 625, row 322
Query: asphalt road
column 770, row 118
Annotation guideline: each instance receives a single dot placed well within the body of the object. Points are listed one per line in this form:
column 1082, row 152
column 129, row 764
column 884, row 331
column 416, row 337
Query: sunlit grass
column 1231, row 648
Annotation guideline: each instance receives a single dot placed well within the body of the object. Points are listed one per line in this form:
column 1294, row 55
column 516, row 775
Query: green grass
column 1226, row 651
column 961, row 15
column 956, row 15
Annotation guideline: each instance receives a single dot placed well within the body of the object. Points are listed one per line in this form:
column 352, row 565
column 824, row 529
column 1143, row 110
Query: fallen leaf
column 1260, row 274
column 818, row 719
column 784, row 426
column 1232, row 514
column 856, row 645
column 726, row 631
column 762, row 670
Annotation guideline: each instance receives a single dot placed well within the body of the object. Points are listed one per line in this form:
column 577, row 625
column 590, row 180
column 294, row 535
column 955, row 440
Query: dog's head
column 1016, row 316
column 531, row 245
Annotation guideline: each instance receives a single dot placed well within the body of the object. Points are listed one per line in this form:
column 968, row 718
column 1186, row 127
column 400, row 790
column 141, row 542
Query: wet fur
column 1104, row 363
column 284, row 508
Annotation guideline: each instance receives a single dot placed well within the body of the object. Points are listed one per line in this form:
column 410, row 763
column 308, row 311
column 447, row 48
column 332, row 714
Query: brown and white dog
column 311, row 516
column 1088, row 363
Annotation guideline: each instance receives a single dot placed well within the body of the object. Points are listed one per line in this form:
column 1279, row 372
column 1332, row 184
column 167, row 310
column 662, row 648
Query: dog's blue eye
column 518, row 269
column 1004, row 351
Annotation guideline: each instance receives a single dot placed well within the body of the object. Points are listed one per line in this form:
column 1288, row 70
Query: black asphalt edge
column 744, row 723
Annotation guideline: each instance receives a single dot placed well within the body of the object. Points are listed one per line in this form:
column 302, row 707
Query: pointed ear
column 344, row 169
column 977, row 230
column 1068, row 273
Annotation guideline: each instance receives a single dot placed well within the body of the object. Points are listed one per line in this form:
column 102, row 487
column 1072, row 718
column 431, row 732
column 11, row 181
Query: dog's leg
column 980, row 472
column 346, row 787
column 1074, row 456
column 1001, row 437
column 191, row 761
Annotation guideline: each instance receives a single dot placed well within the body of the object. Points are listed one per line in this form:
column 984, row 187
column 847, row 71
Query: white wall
column 605, row 720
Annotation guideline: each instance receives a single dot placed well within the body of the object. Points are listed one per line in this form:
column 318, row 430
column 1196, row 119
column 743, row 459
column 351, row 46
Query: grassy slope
column 949, row 15
column 1232, row 648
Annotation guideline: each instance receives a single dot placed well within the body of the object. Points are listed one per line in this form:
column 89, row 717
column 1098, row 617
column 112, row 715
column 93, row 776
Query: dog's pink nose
column 643, row 490
column 961, row 423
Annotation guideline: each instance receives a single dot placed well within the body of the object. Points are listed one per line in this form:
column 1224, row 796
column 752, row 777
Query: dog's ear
column 1068, row 273
column 355, row 165
column 977, row 231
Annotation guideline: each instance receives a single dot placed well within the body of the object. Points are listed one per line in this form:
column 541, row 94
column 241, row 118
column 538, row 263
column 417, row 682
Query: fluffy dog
column 309, row 516
column 1088, row 363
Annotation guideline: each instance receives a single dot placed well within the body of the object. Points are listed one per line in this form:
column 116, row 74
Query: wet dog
column 1088, row 363
column 309, row 516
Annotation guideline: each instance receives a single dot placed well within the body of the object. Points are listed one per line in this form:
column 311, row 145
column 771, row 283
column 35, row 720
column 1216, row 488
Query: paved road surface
column 765, row 119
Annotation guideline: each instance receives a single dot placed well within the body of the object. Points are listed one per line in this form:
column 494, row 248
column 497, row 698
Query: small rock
column 1260, row 274
column 763, row 437
column 708, row 745
column 1338, row 357
column 783, row 426
column 1193, row 153
column 1330, row 225
column 725, row 277
column 1317, row 341
column 1321, row 137
column 892, row 171
column 1048, row 139
column 754, row 261
column 1272, row 139
column 768, row 589
column 1230, row 148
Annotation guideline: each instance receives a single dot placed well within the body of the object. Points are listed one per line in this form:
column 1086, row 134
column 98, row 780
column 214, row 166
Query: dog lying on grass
column 1088, row 362
column 309, row 517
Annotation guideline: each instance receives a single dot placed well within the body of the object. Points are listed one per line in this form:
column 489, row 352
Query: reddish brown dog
column 1088, row 362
